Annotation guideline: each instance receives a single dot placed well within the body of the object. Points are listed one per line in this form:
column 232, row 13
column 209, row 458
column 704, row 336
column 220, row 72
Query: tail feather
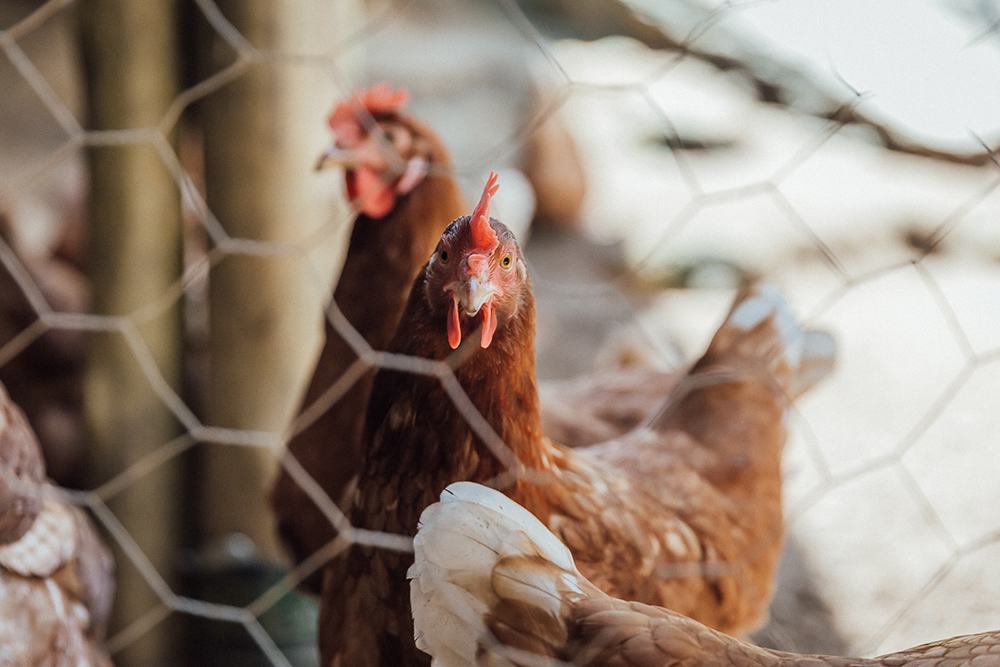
column 761, row 327
column 819, row 353
column 485, row 567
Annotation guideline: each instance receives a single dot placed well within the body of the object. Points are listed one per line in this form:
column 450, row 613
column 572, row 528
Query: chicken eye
column 506, row 261
column 443, row 255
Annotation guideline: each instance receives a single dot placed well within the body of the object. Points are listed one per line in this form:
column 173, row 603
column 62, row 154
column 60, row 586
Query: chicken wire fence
column 890, row 469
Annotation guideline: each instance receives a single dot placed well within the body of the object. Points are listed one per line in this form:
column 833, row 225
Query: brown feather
column 383, row 258
column 609, row 632
column 56, row 576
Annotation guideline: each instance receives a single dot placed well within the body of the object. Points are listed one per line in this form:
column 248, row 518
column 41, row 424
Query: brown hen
column 684, row 511
column 398, row 176
column 492, row 586
column 56, row 578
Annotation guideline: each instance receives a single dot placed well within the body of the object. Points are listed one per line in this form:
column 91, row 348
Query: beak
column 473, row 287
column 472, row 294
column 336, row 157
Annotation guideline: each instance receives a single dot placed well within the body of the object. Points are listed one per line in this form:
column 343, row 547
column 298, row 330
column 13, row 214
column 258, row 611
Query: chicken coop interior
column 176, row 213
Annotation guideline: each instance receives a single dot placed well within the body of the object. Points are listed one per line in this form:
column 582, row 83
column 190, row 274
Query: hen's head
column 476, row 275
column 383, row 154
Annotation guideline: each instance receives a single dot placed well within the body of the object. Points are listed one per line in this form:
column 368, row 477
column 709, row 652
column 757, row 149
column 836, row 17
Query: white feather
column 533, row 587
column 750, row 313
column 47, row 545
column 456, row 549
column 766, row 301
column 511, row 525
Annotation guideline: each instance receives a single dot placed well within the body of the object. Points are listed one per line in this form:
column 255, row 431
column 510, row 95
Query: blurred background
column 167, row 251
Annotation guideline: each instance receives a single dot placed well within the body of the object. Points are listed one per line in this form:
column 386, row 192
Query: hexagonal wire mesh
column 890, row 468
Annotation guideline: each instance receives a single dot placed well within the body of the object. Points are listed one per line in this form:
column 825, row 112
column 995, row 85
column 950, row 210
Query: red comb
column 483, row 235
column 380, row 98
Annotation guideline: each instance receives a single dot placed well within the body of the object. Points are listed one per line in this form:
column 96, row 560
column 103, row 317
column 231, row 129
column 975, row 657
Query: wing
column 667, row 537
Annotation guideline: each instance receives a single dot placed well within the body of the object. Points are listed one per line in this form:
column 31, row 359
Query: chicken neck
column 416, row 436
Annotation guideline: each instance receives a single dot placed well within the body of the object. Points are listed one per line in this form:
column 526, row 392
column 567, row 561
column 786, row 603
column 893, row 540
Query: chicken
column 490, row 585
column 56, row 578
column 684, row 511
column 398, row 176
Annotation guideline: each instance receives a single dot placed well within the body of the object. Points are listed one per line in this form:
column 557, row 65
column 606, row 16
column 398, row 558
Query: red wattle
column 368, row 194
column 489, row 325
column 454, row 326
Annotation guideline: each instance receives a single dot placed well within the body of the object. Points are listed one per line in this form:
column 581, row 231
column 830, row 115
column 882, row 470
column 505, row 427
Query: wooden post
column 135, row 254
column 263, row 133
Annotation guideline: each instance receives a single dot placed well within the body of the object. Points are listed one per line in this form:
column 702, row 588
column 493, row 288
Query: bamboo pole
column 135, row 254
column 262, row 135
